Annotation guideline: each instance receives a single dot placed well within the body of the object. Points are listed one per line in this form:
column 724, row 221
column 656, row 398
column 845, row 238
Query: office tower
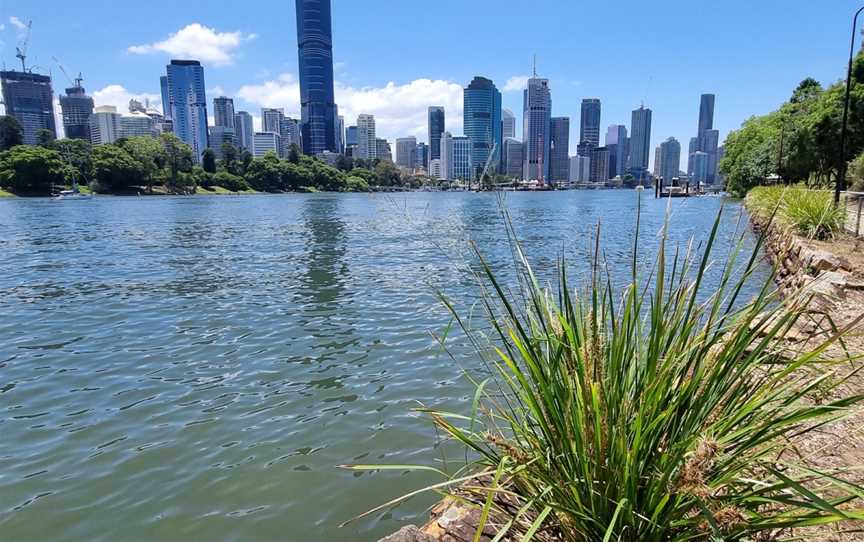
column 435, row 169
column 456, row 153
column 559, row 149
column 367, row 145
column 616, row 142
column 405, row 149
column 670, row 160
column 580, row 169
column 584, row 148
column 657, row 160
column 599, row 165
column 640, row 143
column 482, row 124
column 289, row 130
column 692, row 149
column 508, row 123
column 166, row 97
column 699, row 163
column 709, row 144
column 514, row 156
column 589, row 128
column 244, row 130
column 76, row 108
column 536, row 120
column 317, row 103
column 29, row 100
column 223, row 112
column 421, row 156
column 436, row 128
column 264, row 142
column 706, row 114
column 383, row 151
column 104, row 125
column 137, row 124
column 340, row 134
column 351, row 136
column 219, row 136
column 188, row 104
column 271, row 119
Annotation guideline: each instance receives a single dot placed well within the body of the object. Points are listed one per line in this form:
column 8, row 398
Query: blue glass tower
column 188, row 104
column 482, row 121
column 318, row 111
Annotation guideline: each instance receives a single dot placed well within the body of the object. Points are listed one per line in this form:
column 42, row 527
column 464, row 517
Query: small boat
column 639, row 188
column 75, row 193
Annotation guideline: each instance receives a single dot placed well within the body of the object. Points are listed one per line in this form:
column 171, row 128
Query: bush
column 230, row 182
column 810, row 213
column 31, row 170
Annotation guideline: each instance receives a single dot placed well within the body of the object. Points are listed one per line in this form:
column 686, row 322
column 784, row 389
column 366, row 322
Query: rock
column 408, row 534
column 829, row 285
column 821, row 260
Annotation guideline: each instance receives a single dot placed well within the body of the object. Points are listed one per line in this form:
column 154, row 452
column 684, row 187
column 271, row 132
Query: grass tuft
column 810, row 213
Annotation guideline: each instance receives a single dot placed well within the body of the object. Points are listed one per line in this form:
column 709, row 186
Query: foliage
column 31, row 170
column 77, row 154
column 660, row 412
column 11, row 133
column 208, row 161
column 178, row 163
column 856, row 174
column 44, row 137
column 810, row 213
column 150, row 154
column 115, row 169
column 231, row 182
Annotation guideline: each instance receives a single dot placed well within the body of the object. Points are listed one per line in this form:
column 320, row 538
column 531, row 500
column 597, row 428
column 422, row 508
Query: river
column 196, row 368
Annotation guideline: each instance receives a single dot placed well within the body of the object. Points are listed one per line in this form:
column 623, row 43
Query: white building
column 435, row 168
column 367, row 143
column 137, row 124
column 265, row 142
column 104, row 125
column 580, row 169
column 456, row 157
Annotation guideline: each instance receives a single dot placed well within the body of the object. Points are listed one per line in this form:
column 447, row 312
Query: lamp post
column 841, row 176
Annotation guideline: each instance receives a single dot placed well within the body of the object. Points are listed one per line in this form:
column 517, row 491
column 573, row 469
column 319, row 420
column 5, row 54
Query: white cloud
column 197, row 42
column 119, row 97
column 2, row 27
column 516, row 83
column 400, row 109
column 17, row 23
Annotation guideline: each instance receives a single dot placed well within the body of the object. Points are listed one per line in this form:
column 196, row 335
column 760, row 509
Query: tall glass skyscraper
column 706, row 114
column 188, row 104
column 76, row 108
column 589, row 129
column 223, row 112
column 482, row 123
column 244, row 131
column 318, row 111
column 436, row 128
column 640, row 143
column 29, row 100
column 536, row 120
column 559, row 152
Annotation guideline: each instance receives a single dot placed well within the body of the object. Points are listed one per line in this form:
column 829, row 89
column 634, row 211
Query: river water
column 196, row 368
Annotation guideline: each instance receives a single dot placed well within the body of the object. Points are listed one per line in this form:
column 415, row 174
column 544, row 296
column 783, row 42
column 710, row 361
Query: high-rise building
column 290, row 131
column 706, row 114
column 76, row 108
column 265, row 142
column 29, row 100
column 536, row 120
column 707, row 139
column 599, row 164
column 367, row 145
column 435, row 169
column 219, row 136
column 584, row 148
column 271, row 119
column 559, row 149
column 699, row 164
column 640, row 143
column 223, row 112
column 137, row 124
column 670, row 160
column 657, row 160
column 340, row 134
column 104, row 125
column 482, row 123
column 421, row 156
column 382, row 150
column 456, row 153
column 616, row 142
column 709, row 144
column 188, row 104
column 405, row 149
column 580, row 169
column 244, row 131
column 589, row 128
column 508, row 123
column 436, row 128
column 351, row 136
column 513, row 158
column 166, row 97
column 317, row 101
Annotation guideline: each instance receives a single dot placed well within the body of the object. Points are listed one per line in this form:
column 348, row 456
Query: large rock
column 829, row 285
column 821, row 260
column 409, row 534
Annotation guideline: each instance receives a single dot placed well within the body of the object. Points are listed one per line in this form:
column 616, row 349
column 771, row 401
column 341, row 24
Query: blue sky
column 394, row 58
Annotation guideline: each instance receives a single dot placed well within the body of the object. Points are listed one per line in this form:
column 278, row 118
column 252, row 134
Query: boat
column 74, row 194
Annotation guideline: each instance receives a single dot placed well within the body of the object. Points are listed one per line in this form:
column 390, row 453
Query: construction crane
column 76, row 82
column 21, row 50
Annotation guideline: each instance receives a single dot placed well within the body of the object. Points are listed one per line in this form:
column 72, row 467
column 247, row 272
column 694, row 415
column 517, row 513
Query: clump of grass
column 807, row 212
column 656, row 412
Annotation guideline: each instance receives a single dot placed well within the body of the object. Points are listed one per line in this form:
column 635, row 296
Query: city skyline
column 259, row 58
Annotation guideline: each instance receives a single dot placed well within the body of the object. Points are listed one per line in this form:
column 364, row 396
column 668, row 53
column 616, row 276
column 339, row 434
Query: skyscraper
column 456, row 153
column 166, row 97
column 707, row 139
column 706, row 114
column 436, row 128
column 340, row 134
column 382, row 150
column 188, row 104
column 271, row 119
column 29, row 100
column 670, row 160
column 421, row 156
column 351, row 137
column 559, row 149
column 599, row 164
column 508, row 122
column 405, row 149
column 317, row 102
column 104, row 125
column 513, row 158
column 482, row 124
column 536, row 121
column 589, row 128
column 616, row 142
column 244, row 130
column 223, row 112
column 76, row 108
column 640, row 143
column 367, row 144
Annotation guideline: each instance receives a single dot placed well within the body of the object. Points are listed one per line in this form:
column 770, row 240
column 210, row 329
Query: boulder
column 821, row 260
column 408, row 534
column 829, row 285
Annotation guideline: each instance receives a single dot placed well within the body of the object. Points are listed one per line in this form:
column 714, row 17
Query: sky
column 393, row 59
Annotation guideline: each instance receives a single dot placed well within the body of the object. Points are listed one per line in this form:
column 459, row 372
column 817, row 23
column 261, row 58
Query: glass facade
column 589, row 129
column 559, row 152
column 436, row 128
column 317, row 103
column 482, row 124
column 536, row 125
column 188, row 104
column 29, row 99
column 76, row 108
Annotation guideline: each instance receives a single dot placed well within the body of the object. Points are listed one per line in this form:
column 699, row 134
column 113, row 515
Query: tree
column 77, row 154
column 115, row 169
column 44, row 137
column 11, row 133
column 151, row 156
column 345, row 163
column 178, row 160
column 29, row 170
column 229, row 158
column 265, row 174
column 230, row 182
column 245, row 161
column 294, row 154
column 208, row 161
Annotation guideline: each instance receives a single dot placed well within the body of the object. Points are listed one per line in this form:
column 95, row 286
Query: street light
column 841, row 177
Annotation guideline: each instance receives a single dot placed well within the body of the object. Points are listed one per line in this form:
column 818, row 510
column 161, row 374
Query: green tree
column 228, row 181
column 77, row 154
column 345, row 163
column 229, row 158
column 150, row 153
column 245, row 161
column 44, row 137
column 294, row 154
column 265, row 174
column 115, row 169
column 11, row 133
column 208, row 161
column 178, row 160
column 29, row 170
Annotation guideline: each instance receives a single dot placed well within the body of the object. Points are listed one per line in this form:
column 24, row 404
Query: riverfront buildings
column 589, row 128
column 406, row 147
column 707, row 141
column 76, row 108
column 367, row 145
column 318, row 110
column 513, row 157
column 29, row 99
column 640, row 143
column 482, row 122
column 619, row 149
column 536, row 127
column 508, row 124
column 244, row 132
column 187, row 104
column 456, row 153
column 436, row 128
column 670, row 160
column 265, row 142
column 559, row 149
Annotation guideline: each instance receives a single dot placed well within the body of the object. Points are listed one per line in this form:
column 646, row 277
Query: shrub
column 810, row 213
